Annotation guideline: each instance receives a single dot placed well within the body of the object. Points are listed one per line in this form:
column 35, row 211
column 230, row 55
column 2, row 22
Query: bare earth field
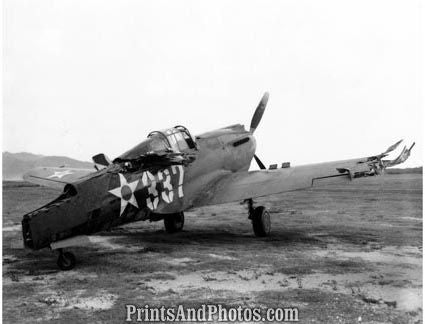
column 345, row 254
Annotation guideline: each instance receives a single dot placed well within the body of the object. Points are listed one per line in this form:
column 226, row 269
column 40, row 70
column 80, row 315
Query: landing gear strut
column 66, row 260
column 174, row 222
column 260, row 219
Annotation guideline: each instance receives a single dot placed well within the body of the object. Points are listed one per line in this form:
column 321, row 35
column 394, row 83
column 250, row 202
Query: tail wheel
column 174, row 222
column 261, row 221
column 66, row 261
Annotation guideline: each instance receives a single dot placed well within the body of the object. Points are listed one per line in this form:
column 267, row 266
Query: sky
column 82, row 77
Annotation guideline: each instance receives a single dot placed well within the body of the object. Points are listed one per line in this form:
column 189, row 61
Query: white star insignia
column 126, row 192
column 60, row 174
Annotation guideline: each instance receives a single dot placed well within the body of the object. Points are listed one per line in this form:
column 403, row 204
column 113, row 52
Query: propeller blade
column 260, row 164
column 259, row 112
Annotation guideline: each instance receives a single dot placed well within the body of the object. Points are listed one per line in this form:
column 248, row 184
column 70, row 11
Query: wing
column 251, row 184
column 55, row 178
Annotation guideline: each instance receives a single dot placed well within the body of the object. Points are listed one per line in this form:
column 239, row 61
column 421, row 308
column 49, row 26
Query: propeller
column 259, row 112
column 255, row 121
column 260, row 164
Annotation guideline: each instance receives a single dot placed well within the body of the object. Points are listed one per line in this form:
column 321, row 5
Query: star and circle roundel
column 125, row 192
column 164, row 186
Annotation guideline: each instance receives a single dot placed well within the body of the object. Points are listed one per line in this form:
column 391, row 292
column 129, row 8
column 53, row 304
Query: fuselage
column 115, row 195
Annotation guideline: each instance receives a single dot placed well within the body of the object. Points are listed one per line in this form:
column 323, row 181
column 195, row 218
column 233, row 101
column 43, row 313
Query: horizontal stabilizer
column 55, row 178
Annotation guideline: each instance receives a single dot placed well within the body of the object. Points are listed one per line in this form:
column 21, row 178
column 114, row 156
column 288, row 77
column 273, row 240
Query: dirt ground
column 346, row 254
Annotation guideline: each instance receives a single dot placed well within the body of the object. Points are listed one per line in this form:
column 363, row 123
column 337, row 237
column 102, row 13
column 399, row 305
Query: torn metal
column 87, row 206
column 377, row 165
column 155, row 160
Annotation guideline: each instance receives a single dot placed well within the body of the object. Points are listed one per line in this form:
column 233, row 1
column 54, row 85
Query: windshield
column 154, row 143
column 177, row 139
column 158, row 144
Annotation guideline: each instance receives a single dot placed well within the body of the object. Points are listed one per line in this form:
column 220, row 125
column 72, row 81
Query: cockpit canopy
column 177, row 139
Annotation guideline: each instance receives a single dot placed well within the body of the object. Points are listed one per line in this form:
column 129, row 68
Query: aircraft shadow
column 212, row 237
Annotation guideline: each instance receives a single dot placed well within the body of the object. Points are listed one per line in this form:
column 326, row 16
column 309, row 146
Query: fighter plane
column 168, row 173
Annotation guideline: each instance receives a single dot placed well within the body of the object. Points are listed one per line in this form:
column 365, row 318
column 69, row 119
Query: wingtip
column 393, row 147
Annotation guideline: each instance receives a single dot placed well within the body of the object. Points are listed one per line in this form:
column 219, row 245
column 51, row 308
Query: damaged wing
column 239, row 186
column 55, row 178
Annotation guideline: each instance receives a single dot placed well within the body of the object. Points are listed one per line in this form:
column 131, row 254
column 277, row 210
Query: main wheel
column 66, row 261
column 261, row 224
column 174, row 222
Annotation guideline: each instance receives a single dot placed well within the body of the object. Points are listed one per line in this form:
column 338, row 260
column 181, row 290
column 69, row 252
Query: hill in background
column 16, row 164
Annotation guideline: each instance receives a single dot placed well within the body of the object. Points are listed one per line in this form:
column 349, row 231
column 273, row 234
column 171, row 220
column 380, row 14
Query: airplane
column 168, row 173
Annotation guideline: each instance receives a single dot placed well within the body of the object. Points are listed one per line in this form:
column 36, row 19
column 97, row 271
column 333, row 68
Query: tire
column 174, row 222
column 66, row 261
column 261, row 221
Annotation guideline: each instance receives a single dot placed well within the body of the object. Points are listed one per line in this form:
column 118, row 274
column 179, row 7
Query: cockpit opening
column 177, row 138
